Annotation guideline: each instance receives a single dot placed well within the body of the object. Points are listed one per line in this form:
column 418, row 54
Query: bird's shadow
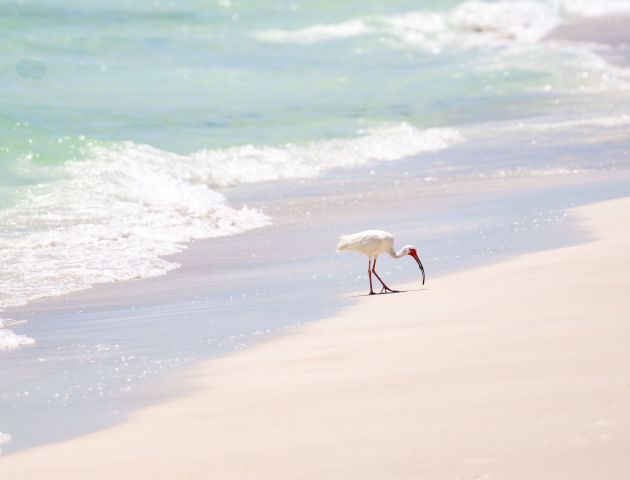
column 389, row 293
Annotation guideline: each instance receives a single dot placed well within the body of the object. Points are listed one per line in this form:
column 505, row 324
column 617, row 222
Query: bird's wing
column 369, row 242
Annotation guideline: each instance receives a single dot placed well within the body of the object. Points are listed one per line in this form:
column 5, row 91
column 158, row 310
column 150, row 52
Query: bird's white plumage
column 372, row 243
column 368, row 242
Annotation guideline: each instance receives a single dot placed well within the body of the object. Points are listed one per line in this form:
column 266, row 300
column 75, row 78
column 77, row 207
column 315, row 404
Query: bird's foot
column 371, row 293
column 388, row 290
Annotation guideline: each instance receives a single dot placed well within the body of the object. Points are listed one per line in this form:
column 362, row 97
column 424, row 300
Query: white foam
column 10, row 341
column 473, row 23
column 109, row 218
column 315, row 33
column 250, row 163
column 115, row 214
column 591, row 8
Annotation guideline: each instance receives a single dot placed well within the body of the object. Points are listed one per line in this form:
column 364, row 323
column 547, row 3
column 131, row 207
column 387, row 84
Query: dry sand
column 515, row 371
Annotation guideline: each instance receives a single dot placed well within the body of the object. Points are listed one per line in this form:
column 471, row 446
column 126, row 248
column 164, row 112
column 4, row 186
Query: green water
column 189, row 75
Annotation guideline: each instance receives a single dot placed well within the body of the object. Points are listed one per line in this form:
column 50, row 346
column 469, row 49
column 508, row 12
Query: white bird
column 372, row 243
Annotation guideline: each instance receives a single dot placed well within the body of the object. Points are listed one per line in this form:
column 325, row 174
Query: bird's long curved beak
column 415, row 257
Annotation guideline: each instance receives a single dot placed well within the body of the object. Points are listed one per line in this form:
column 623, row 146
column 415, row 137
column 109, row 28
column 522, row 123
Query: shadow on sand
column 389, row 293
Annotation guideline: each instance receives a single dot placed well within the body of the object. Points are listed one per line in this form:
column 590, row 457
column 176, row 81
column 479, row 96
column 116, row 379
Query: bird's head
column 412, row 252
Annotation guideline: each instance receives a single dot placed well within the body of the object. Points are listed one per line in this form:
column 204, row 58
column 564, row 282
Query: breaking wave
column 474, row 23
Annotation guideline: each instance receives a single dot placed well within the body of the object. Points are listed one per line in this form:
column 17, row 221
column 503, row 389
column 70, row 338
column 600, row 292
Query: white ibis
column 372, row 243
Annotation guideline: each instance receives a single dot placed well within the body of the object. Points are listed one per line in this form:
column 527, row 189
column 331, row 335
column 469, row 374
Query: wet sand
column 606, row 29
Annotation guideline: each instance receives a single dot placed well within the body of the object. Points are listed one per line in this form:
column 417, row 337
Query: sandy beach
column 517, row 370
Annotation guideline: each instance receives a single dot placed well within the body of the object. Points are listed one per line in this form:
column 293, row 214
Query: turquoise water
column 123, row 123
column 188, row 75
column 181, row 77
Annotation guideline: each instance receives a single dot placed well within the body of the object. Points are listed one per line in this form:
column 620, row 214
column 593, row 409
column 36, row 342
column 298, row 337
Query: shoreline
column 124, row 294
column 511, row 389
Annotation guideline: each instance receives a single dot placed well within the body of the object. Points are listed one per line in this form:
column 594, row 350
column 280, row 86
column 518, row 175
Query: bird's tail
column 343, row 243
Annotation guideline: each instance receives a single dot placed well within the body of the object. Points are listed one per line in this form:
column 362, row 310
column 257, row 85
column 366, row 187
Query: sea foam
column 316, row 33
column 474, row 23
column 110, row 217
column 10, row 341
column 250, row 164
column 590, row 8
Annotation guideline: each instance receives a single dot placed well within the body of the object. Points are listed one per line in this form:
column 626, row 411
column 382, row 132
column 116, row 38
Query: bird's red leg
column 370, row 275
column 385, row 287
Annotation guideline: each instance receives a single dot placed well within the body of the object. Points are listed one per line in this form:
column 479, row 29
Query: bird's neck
column 396, row 254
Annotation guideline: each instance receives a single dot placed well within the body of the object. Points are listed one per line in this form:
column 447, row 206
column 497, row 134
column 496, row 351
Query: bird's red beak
column 413, row 254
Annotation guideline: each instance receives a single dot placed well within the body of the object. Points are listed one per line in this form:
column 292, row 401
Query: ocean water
column 129, row 129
